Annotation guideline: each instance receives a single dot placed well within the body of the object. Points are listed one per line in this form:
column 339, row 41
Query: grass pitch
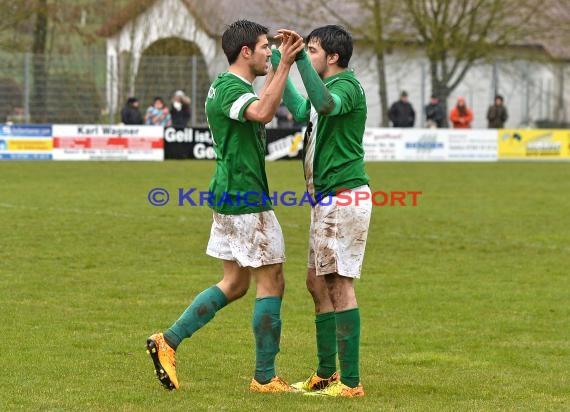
column 464, row 298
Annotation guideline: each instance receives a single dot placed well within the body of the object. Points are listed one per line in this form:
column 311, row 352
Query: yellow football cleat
column 163, row 357
column 338, row 388
column 275, row 385
column 315, row 383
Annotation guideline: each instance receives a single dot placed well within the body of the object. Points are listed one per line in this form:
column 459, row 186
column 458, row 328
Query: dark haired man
column 497, row 113
column 130, row 114
column 245, row 234
column 333, row 163
column 434, row 113
column 402, row 113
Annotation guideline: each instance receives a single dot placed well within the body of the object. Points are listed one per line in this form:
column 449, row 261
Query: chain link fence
column 78, row 88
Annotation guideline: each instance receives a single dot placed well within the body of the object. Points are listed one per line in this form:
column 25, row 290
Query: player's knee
column 310, row 281
column 341, row 292
column 271, row 281
column 236, row 290
column 311, row 285
column 280, row 282
column 315, row 285
column 241, row 291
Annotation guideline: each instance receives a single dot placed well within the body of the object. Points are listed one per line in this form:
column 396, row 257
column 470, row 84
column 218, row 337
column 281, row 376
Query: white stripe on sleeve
column 238, row 104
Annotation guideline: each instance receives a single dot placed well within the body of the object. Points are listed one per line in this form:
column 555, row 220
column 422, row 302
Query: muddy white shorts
column 338, row 234
column 251, row 240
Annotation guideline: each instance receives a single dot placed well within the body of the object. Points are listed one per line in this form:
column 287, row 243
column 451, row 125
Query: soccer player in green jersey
column 333, row 163
column 245, row 233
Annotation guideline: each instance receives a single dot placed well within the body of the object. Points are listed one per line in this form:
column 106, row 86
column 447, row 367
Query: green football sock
column 348, row 340
column 201, row 311
column 267, row 332
column 326, row 344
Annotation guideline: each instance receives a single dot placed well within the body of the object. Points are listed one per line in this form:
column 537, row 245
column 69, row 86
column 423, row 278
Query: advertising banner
column 425, row 145
column 96, row 142
column 470, row 145
column 188, row 143
column 196, row 143
column 398, row 144
column 284, row 144
column 538, row 144
column 383, row 144
column 25, row 142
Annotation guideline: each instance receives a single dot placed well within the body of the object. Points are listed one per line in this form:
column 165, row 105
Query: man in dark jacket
column 402, row 113
column 180, row 110
column 434, row 113
column 497, row 114
column 130, row 113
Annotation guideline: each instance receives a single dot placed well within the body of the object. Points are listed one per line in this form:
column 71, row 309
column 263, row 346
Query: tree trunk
column 380, row 62
column 439, row 89
column 39, row 100
column 560, row 110
column 382, row 91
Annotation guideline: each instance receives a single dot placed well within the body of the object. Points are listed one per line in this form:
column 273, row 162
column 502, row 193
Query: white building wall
column 530, row 89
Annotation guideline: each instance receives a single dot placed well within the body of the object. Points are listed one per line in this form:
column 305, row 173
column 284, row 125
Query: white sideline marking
column 76, row 211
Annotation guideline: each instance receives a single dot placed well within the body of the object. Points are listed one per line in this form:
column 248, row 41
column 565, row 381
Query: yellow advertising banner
column 30, row 144
column 534, row 144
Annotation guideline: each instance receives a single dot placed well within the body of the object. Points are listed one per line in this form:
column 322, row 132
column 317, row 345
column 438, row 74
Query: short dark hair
column 238, row 34
column 498, row 96
column 334, row 39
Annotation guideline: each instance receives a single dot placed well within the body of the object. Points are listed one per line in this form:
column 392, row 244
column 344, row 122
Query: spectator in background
column 461, row 116
column 158, row 114
column 402, row 113
column 130, row 114
column 180, row 110
column 497, row 114
column 434, row 113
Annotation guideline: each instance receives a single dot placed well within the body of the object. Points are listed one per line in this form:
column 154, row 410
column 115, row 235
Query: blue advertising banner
column 26, row 142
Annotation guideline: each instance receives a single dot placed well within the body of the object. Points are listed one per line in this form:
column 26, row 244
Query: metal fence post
column 561, row 112
column 527, row 97
column 549, row 98
column 495, row 81
column 422, row 96
column 194, row 88
column 111, row 65
column 27, row 87
column 540, row 97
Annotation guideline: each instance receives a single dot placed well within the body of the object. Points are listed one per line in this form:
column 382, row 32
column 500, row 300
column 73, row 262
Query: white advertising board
column 97, row 142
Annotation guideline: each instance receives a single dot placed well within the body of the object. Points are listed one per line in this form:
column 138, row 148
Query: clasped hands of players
column 291, row 45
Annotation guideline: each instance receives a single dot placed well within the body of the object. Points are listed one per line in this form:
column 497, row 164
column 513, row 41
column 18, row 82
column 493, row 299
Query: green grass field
column 464, row 298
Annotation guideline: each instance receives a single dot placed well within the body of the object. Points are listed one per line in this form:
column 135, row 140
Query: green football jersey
column 333, row 155
column 239, row 184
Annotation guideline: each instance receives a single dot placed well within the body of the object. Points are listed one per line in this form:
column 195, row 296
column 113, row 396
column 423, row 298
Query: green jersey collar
column 241, row 78
column 348, row 72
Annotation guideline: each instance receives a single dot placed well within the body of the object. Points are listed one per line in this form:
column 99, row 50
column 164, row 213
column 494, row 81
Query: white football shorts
column 251, row 240
column 337, row 238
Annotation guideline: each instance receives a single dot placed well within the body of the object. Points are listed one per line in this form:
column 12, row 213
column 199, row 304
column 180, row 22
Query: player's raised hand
column 291, row 44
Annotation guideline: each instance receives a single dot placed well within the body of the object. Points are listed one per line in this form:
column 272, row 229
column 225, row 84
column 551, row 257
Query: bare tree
column 456, row 34
column 14, row 22
column 369, row 21
column 39, row 101
column 372, row 22
column 558, row 37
